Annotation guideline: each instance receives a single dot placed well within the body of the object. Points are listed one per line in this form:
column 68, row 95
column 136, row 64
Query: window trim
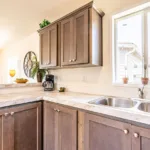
column 145, row 9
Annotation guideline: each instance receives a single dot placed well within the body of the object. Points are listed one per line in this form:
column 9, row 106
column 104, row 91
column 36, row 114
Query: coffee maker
column 48, row 84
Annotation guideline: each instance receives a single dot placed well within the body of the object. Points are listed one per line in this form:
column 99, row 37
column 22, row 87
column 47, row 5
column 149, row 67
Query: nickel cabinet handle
column 126, row 131
column 136, row 135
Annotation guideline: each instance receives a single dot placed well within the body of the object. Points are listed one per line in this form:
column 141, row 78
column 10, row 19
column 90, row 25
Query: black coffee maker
column 48, row 84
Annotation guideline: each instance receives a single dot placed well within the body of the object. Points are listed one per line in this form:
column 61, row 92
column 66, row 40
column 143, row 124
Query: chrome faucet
column 141, row 92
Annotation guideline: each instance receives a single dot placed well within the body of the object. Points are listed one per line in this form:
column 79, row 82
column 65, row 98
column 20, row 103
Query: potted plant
column 44, row 23
column 40, row 73
column 125, row 79
column 145, row 79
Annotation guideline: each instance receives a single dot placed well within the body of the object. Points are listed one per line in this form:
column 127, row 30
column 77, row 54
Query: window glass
column 129, row 52
column 149, row 43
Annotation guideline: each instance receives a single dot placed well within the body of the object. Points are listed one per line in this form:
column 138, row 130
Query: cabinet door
column 49, row 46
column 105, row 134
column 66, row 41
column 80, row 51
column 67, row 129
column 26, row 126
column 140, row 138
column 50, row 132
column 44, row 48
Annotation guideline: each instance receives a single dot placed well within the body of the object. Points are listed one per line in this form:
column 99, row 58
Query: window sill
column 130, row 85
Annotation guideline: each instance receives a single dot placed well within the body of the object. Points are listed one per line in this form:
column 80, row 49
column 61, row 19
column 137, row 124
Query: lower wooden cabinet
column 60, row 127
column 20, row 127
column 103, row 134
column 99, row 133
column 140, row 138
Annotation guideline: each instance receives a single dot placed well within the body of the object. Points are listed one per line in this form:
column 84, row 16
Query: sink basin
column 144, row 107
column 115, row 102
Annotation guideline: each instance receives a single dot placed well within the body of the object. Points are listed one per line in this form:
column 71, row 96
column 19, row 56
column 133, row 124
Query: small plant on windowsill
column 125, row 79
column 145, row 79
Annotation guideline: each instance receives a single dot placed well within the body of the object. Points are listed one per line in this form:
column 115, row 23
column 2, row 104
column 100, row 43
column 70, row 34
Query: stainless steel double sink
column 141, row 105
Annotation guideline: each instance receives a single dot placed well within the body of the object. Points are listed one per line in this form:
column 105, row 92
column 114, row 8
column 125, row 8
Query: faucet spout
column 141, row 92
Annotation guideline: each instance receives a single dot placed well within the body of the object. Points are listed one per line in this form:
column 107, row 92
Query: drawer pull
column 125, row 131
column 58, row 110
column 55, row 109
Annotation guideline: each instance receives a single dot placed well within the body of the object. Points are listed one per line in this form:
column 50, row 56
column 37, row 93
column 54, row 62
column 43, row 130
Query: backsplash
column 96, row 80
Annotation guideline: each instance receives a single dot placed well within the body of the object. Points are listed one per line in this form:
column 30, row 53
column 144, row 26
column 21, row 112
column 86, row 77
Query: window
column 131, row 44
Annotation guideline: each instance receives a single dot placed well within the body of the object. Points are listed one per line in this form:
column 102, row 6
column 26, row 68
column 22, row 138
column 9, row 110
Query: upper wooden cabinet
column 66, row 41
column 75, row 40
column 49, row 47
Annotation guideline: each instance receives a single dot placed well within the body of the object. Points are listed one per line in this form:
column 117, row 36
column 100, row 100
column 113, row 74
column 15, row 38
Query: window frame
column 144, row 9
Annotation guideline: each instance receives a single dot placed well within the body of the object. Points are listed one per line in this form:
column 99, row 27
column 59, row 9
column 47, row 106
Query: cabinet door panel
column 66, row 41
column 1, row 132
column 44, row 48
column 26, row 127
column 8, row 133
column 67, row 123
column 50, row 127
column 80, row 51
column 105, row 134
column 142, row 142
column 49, row 46
column 52, row 39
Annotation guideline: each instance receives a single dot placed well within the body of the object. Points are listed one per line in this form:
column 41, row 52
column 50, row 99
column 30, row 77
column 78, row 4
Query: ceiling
column 20, row 18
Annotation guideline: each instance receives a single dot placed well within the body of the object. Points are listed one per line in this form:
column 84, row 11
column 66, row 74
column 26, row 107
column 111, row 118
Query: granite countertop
column 76, row 100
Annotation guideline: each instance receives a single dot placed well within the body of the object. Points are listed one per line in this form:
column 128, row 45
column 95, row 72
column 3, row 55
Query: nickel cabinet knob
column 136, row 135
column 74, row 60
column 12, row 113
column 6, row 114
column 125, row 131
column 70, row 60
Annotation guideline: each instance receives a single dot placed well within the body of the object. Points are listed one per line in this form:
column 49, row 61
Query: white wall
column 96, row 80
column 18, row 50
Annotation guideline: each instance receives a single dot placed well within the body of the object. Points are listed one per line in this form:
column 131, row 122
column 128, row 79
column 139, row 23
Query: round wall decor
column 30, row 61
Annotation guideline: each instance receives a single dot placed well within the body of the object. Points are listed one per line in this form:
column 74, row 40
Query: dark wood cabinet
column 74, row 39
column 75, row 42
column 20, row 127
column 81, row 38
column 96, row 132
column 105, row 134
column 49, row 47
column 66, row 41
column 140, row 138
column 60, row 127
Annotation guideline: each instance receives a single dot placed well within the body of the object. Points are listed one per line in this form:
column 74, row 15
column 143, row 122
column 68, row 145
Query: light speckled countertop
column 76, row 100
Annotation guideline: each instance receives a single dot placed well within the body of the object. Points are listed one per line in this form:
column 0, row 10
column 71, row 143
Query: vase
column 125, row 80
column 39, row 77
column 144, row 81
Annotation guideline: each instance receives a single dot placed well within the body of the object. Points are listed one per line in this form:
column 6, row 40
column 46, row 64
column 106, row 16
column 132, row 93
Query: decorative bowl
column 21, row 80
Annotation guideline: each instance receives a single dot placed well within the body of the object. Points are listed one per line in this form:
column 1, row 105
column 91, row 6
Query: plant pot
column 39, row 77
column 125, row 80
column 144, row 81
